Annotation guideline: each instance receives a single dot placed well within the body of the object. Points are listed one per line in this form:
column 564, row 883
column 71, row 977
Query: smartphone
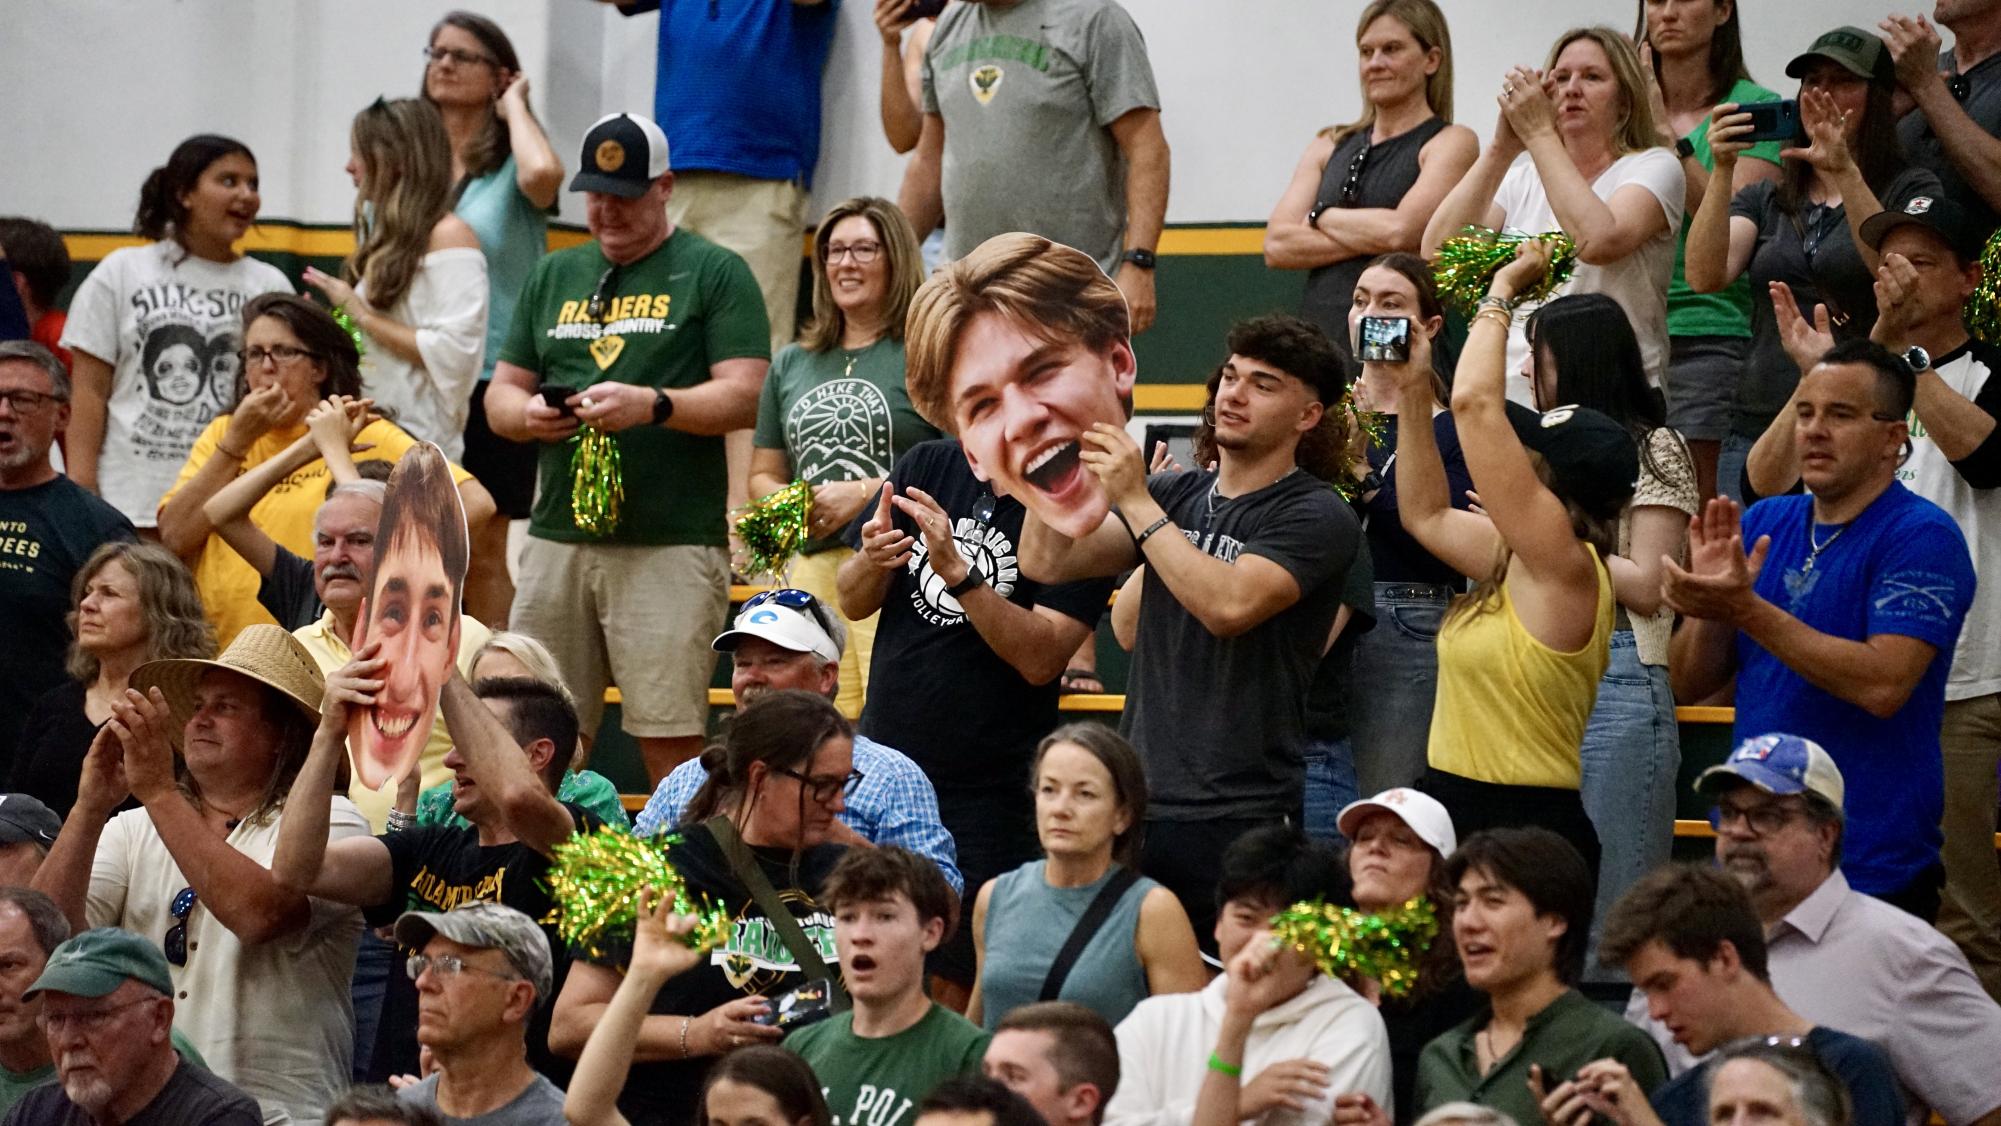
column 926, row 9
column 1385, row 340
column 558, row 397
column 808, row 1004
column 1773, row 121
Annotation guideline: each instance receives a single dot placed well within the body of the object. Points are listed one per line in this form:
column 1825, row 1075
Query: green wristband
column 1216, row 1064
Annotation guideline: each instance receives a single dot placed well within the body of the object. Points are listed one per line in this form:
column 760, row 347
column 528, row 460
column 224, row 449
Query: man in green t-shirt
column 658, row 338
column 877, row 1062
column 31, row 925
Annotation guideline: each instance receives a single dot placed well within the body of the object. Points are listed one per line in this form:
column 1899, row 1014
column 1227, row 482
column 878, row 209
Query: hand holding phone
column 808, row 1004
column 1773, row 121
column 557, row 398
column 1384, row 340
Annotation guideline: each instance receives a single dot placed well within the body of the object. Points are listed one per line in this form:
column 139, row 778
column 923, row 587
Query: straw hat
column 265, row 653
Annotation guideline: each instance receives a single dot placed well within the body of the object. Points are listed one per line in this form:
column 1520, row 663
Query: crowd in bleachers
column 282, row 819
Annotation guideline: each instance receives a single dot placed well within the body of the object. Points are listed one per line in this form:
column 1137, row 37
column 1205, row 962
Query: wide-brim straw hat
column 265, row 653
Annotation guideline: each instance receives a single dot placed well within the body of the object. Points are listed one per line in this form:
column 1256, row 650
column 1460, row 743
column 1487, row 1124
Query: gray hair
column 1465, row 1114
column 1822, row 1099
column 41, row 357
column 530, row 652
column 373, row 490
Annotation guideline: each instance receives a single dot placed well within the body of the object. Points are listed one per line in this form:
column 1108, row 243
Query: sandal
column 1082, row 682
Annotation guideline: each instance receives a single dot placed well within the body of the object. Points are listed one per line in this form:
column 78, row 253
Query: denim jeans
column 1330, row 787
column 1631, row 757
column 1392, row 686
column 373, row 964
column 1730, row 465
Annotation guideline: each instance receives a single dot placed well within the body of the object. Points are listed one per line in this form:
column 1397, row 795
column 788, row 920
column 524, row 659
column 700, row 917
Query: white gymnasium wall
column 96, row 92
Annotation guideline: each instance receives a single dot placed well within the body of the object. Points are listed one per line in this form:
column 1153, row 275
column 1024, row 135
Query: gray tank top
column 1028, row 922
column 1386, row 173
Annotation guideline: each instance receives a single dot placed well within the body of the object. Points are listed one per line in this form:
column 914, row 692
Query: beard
column 1749, row 867
column 90, row 1091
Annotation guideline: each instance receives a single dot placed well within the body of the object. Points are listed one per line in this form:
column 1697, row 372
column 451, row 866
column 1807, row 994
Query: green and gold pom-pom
column 773, row 529
column 349, row 325
column 1466, row 264
column 1983, row 308
column 597, row 485
column 1365, row 424
column 1346, row 943
column 596, row 879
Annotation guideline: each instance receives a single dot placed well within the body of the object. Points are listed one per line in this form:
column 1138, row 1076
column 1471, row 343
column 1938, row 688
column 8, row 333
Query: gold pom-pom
column 596, row 879
column 1345, row 942
column 1466, row 263
column 773, row 529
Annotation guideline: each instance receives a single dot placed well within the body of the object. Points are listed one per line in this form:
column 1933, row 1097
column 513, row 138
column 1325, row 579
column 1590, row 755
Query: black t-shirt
column 1327, row 696
column 47, row 531
column 1388, row 171
column 1397, row 555
column 1221, row 722
column 49, row 760
column 937, row 691
column 755, row 962
column 437, row 868
column 193, row 1094
column 287, row 593
column 1922, row 146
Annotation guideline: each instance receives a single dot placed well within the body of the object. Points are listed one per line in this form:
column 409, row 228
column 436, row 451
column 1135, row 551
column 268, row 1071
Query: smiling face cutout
column 413, row 610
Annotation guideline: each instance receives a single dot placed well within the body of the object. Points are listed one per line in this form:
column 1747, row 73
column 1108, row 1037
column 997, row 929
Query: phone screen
column 1385, row 339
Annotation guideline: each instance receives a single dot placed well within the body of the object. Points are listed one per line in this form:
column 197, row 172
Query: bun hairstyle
column 161, row 213
column 781, row 729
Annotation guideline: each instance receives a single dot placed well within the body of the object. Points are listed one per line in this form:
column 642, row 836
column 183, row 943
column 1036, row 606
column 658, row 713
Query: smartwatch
column 1684, row 148
column 1917, row 359
column 663, row 407
column 973, row 578
column 1144, row 259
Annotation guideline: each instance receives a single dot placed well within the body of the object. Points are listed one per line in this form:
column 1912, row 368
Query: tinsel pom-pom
column 1983, row 308
column 1365, row 430
column 773, row 529
column 1466, row 264
column 596, row 878
column 349, row 325
column 1345, row 942
column 597, row 485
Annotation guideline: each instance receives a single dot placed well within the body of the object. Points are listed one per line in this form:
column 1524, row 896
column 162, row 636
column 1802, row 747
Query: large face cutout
column 413, row 610
column 1020, row 403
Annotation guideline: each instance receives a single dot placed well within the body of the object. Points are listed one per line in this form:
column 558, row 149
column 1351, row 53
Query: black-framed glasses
column 594, row 308
column 457, row 55
column 280, row 354
column 176, row 943
column 27, row 402
column 863, row 252
column 823, row 789
column 448, row 965
column 1763, row 820
column 792, row 598
column 1351, row 189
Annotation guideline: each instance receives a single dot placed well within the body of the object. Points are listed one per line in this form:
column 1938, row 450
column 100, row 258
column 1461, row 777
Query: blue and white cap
column 788, row 627
column 1779, row 764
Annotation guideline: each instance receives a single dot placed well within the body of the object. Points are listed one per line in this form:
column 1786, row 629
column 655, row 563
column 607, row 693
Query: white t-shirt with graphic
column 171, row 327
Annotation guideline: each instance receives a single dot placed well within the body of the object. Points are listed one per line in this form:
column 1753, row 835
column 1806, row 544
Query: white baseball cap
column 1422, row 812
column 792, row 627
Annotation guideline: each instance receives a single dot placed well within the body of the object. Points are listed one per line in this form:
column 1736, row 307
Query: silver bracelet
column 400, row 821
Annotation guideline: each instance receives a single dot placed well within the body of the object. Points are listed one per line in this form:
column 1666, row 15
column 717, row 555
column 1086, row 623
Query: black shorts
column 506, row 468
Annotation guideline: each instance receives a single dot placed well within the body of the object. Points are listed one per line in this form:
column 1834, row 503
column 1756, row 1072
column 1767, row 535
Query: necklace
column 1816, row 546
column 854, row 354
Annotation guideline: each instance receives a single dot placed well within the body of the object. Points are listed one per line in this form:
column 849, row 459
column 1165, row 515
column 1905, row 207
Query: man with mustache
column 108, row 1008
column 1839, row 958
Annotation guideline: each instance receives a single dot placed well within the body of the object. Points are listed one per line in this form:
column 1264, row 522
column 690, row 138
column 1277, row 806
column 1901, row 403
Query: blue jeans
column 373, row 963
column 1330, row 787
column 1393, row 684
column 1730, row 465
column 1631, row 757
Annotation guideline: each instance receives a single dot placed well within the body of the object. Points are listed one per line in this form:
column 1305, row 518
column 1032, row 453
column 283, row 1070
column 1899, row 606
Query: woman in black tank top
column 1365, row 188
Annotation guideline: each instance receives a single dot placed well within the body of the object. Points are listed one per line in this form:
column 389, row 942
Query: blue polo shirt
column 738, row 88
column 1900, row 567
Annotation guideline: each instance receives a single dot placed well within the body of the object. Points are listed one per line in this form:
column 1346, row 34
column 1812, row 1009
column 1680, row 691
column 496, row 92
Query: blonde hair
column 905, row 263
column 530, row 652
column 1053, row 291
column 1637, row 131
column 169, row 602
column 406, row 174
column 1426, row 24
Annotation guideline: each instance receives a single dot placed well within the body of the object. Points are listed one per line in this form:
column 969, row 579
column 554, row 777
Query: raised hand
column 936, row 526
column 891, row 17
column 255, row 416
column 1530, row 263
column 1914, row 48
column 1110, row 453
column 1727, row 127
column 1526, row 104
column 1804, row 343
column 1898, row 307
column 1827, row 128
column 353, row 685
column 102, row 785
column 883, row 542
column 1719, row 580
column 657, row 950
column 142, row 723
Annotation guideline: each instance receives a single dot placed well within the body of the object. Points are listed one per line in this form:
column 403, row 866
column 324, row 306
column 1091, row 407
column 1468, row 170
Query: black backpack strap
column 1088, row 925
column 745, row 867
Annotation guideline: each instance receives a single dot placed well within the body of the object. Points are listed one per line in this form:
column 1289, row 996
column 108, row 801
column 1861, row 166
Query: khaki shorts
column 635, row 616
column 762, row 221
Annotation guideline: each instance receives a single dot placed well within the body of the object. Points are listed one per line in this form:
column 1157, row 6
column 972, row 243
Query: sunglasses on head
column 792, row 598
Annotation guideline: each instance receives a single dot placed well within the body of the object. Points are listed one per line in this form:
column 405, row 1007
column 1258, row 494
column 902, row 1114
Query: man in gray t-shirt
column 1042, row 116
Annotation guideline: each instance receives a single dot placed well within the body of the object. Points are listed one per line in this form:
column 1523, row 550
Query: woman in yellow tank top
column 1519, row 658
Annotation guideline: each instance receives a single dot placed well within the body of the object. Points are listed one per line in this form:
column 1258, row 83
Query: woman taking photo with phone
column 1576, row 149
column 1366, row 188
column 1802, row 229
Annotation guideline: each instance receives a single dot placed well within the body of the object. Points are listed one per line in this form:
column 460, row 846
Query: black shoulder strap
column 1087, row 926
column 746, row 869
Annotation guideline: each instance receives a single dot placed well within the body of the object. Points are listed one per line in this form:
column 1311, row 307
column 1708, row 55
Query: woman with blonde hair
column 835, row 411
column 416, row 282
column 1365, row 188
column 1577, row 149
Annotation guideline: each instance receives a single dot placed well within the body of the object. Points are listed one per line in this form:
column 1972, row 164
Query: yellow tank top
column 1511, row 710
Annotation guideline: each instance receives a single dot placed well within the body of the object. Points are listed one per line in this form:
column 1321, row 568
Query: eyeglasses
column 27, row 402
column 176, row 942
column 89, row 1023
column 594, row 308
column 824, row 789
column 279, row 354
column 1764, row 820
column 1351, row 190
column 862, row 252
column 449, row 965
column 435, row 55
column 793, row 599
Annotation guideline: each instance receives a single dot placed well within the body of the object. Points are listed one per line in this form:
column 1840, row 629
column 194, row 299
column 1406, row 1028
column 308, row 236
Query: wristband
column 400, row 821
column 1157, row 525
column 1496, row 301
column 227, row 452
column 1216, row 1064
column 973, row 578
column 685, row 1021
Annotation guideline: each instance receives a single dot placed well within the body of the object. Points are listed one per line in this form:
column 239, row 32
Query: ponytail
column 161, row 213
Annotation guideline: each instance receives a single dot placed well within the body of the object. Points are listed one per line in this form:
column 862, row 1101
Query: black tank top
column 1388, row 171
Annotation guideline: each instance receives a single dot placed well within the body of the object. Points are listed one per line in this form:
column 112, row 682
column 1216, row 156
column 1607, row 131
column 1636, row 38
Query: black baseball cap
column 1593, row 458
column 1937, row 214
column 622, row 156
column 26, row 819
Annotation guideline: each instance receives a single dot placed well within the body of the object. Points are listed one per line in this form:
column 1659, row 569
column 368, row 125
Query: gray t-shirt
column 1027, row 93
column 541, row 1104
column 1924, row 150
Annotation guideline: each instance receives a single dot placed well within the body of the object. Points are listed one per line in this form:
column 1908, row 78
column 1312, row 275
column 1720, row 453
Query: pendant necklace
column 1815, row 546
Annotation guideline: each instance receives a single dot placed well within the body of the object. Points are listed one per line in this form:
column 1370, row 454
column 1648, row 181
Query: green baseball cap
column 98, row 961
column 1859, row 52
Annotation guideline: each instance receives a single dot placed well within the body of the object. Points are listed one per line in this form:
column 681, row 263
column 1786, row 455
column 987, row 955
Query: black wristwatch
column 1313, row 216
column 1684, row 148
column 1144, row 259
column 973, row 578
column 663, row 407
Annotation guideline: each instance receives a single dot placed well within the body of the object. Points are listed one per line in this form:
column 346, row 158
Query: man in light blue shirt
column 786, row 639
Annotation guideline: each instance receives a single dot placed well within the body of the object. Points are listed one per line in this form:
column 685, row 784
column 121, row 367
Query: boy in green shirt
column 877, row 1061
